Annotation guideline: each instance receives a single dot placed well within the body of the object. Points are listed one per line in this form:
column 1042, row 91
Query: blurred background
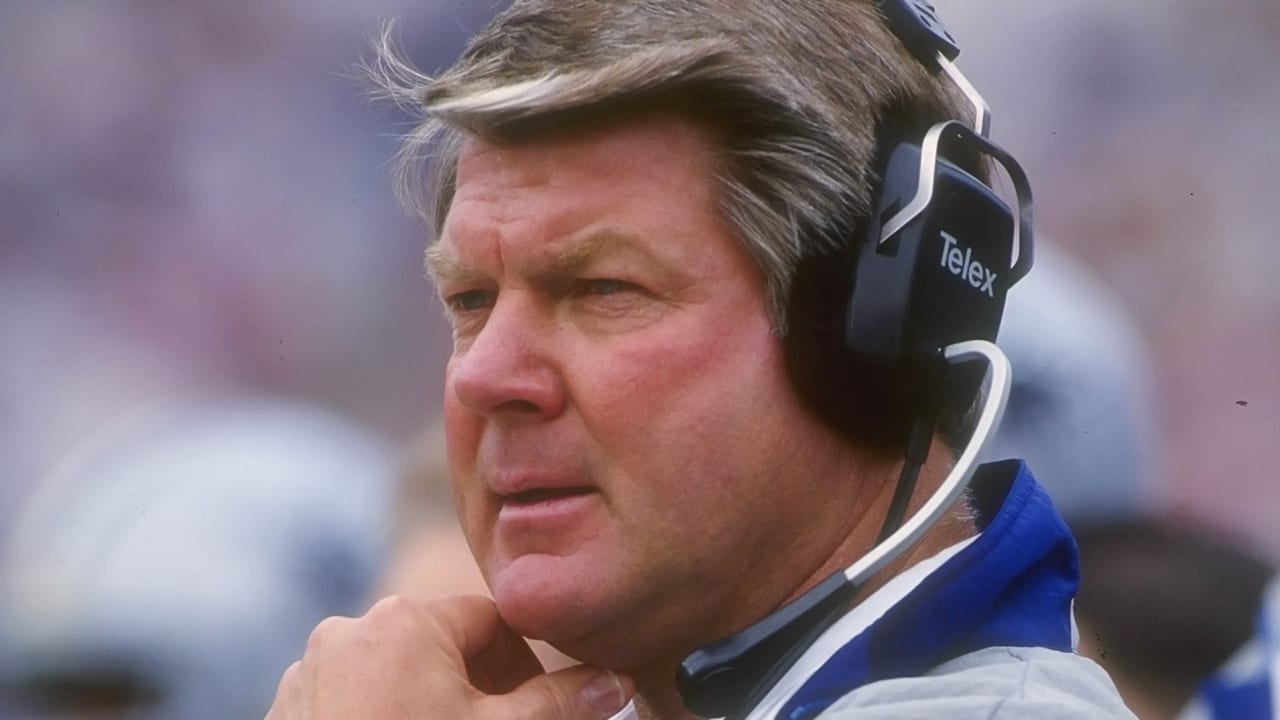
column 1146, row 130
column 196, row 219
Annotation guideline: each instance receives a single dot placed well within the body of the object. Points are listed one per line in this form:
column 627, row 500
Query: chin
column 541, row 598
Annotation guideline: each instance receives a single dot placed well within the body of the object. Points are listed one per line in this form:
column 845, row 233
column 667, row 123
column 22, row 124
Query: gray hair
column 797, row 91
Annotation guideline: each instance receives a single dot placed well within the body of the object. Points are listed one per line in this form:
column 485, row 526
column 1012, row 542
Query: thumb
column 576, row 693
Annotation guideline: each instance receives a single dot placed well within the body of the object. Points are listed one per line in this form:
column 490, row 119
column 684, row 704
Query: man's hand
column 450, row 659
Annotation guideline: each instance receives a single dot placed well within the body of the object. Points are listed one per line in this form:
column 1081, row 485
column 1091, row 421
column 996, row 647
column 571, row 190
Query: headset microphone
column 940, row 253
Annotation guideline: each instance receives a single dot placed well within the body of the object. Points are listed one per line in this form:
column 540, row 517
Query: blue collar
column 1012, row 586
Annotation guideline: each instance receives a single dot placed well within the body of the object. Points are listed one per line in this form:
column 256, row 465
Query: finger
column 288, row 693
column 576, row 693
column 504, row 664
column 497, row 658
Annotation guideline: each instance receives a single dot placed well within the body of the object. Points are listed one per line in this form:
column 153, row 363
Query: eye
column 469, row 301
column 603, row 286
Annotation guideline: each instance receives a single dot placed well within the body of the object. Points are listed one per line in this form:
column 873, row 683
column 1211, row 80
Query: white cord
column 998, row 379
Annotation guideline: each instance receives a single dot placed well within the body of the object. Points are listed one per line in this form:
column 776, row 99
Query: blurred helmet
column 1080, row 408
column 176, row 563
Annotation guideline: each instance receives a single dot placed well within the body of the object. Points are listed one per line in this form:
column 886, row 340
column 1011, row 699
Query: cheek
column 687, row 403
column 462, row 436
column 694, row 437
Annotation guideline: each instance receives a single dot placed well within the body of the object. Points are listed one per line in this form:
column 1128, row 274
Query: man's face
column 632, row 469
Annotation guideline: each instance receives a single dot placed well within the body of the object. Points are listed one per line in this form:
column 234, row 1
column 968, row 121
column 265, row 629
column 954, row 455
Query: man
column 653, row 444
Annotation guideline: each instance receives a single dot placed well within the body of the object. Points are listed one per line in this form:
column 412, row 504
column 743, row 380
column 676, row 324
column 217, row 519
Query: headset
column 930, row 277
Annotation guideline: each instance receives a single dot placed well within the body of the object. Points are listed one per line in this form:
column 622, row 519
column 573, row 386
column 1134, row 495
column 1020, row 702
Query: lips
column 538, row 495
column 544, row 516
column 532, row 486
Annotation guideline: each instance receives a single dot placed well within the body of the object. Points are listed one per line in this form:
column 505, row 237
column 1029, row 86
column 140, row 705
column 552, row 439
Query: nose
column 509, row 372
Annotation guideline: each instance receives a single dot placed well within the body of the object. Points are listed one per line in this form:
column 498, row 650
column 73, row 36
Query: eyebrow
column 442, row 266
column 583, row 251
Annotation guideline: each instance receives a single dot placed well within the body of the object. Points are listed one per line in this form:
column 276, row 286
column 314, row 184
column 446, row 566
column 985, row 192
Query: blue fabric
column 1012, row 586
column 1249, row 700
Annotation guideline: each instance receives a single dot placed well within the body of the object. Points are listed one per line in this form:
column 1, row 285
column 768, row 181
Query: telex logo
column 962, row 265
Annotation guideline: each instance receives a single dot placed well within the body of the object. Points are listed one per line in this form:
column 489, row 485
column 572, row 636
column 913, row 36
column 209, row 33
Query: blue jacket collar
column 1012, row 586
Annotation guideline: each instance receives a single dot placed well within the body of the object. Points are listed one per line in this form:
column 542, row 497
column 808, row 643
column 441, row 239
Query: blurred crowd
column 195, row 195
column 206, row 289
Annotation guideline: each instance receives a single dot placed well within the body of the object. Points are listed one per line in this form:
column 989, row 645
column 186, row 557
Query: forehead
column 639, row 198
column 648, row 137
column 611, row 166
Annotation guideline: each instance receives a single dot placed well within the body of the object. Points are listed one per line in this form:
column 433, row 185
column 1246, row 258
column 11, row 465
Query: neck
column 656, row 695
column 955, row 526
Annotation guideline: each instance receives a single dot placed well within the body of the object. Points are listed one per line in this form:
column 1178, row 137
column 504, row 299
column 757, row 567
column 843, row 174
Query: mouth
column 541, row 495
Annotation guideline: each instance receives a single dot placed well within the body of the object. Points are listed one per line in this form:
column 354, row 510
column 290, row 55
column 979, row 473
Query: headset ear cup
column 868, row 325
column 869, row 404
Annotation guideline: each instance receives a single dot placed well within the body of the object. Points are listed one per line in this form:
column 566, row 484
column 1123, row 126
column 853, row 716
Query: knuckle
column 288, row 680
column 390, row 614
column 325, row 632
column 391, row 605
column 397, row 618
column 291, row 673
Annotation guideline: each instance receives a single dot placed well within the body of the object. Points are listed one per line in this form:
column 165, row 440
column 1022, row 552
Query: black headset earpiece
column 940, row 254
